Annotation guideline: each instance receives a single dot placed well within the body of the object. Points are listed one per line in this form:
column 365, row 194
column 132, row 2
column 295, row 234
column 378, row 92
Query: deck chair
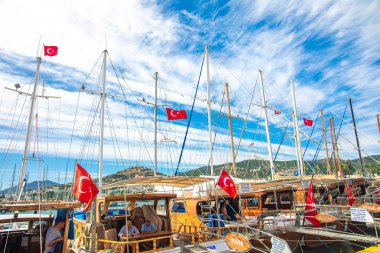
column 149, row 212
column 137, row 216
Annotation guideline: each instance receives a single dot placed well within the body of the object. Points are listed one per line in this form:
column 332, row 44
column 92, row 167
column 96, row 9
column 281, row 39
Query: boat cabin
column 23, row 225
column 112, row 212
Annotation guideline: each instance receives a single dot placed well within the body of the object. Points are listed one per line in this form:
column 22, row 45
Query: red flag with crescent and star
column 308, row 122
column 226, row 183
column 84, row 188
column 310, row 209
column 350, row 195
column 176, row 114
column 50, row 50
column 277, row 112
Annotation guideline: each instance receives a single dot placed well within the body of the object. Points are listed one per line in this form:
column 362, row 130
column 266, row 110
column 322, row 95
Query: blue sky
column 329, row 48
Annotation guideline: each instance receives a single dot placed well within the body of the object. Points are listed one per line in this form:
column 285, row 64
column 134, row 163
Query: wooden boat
column 23, row 231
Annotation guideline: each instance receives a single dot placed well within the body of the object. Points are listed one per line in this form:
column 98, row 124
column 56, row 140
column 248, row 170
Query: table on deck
column 144, row 236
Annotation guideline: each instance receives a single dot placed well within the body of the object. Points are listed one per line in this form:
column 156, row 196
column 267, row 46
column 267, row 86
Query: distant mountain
column 31, row 186
column 129, row 173
column 249, row 169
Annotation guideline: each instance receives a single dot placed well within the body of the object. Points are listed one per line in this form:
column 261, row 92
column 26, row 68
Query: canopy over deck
column 181, row 182
column 12, row 206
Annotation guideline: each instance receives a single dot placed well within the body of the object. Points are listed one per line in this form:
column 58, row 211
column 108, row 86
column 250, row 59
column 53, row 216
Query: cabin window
column 118, row 208
column 285, row 198
column 206, row 207
column 178, row 207
column 253, row 202
column 161, row 207
column 144, row 202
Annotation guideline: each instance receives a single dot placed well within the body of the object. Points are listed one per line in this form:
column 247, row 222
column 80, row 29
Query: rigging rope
column 282, row 139
column 246, row 117
column 191, row 114
column 311, row 134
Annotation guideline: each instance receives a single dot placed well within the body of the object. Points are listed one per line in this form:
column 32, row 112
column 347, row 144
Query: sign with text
column 244, row 188
column 279, row 246
column 361, row 214
column 238, row 242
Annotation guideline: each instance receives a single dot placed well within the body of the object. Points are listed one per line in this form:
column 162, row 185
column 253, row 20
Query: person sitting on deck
column 54, row 236
column 148, row 227
column 131, row 231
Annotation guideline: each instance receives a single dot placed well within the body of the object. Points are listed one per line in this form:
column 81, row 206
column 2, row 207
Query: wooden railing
column 118, row 246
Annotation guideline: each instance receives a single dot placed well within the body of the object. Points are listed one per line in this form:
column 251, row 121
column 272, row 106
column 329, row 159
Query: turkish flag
column 350, row 195
column 308, row 122
column 84, row 188
column 226, row 183
column 310, row 210
column 50, row 50
column 277, row 112
column 176, row 114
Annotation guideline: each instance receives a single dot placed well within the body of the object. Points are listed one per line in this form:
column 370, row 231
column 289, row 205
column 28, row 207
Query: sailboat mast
column 325, row 142
column 209, row 112
column 155, row 123
column 28, row 133
column 336, row 151
column 357, row 138
column 101, row 142
column 296, row 133
column 231, row 132
column 13, row 181
column 264, row 104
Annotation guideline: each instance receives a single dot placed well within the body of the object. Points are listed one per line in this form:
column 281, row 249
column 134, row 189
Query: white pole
column 209, row 113
column 28, row 133
column 103, row 98
column 264, row 104
column 155, row 123
column 296, row 133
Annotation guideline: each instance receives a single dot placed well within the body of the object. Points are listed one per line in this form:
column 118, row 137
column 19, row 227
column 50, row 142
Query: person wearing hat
column 53, row 235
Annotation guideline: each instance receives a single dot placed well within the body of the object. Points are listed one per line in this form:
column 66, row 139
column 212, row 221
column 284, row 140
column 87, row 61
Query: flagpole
column 296, row 132
column 209, row 112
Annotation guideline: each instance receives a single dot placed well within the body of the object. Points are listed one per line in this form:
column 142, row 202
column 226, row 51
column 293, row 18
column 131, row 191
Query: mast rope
column 246, row 117
column 191, row 114
column 311, row 134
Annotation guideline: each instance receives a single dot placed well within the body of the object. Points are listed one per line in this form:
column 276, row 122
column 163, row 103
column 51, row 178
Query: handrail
column 136, row 243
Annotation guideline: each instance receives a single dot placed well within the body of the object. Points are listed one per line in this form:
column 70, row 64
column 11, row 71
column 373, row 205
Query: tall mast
column 264, row 104
column 28, row 133
column 357, row 139
column 325, row 142
column 103, row 99
column 13, row 181
column 231, row 133
column 336, row 151
column 209, row 113
column 296, row 133
column 155, row 123
column 378, row 122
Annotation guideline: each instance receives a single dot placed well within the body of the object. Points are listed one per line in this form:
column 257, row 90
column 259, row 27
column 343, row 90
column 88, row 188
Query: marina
column 189, row 126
